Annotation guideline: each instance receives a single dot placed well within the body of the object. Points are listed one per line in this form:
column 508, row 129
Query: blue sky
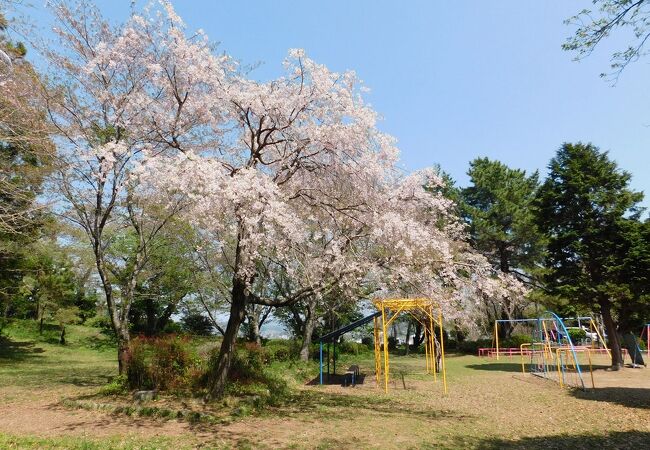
column 452, row 80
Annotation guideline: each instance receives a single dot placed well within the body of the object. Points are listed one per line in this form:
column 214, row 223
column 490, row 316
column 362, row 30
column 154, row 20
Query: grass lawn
column 48, row 399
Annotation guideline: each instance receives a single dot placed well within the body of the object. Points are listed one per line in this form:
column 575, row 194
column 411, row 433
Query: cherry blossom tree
column 116, row 92
column 303, row 193
column 290, row 180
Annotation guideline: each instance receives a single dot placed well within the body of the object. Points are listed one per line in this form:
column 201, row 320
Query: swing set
column 555, row 332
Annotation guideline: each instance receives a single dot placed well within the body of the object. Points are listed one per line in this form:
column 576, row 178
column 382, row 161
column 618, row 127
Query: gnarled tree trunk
column 308, row 328
column 219, row 373
column 253, row 317
column 612, row 334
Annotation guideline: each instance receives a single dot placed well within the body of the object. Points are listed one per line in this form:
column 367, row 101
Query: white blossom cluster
column 290, row 178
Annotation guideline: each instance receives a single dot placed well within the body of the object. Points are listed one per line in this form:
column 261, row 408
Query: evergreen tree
column 25, row 159
column 498, row 208
column 585, row 207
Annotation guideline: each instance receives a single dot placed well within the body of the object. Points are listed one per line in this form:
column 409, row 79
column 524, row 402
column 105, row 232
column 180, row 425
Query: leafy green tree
column 65, row 316
column 316, row 316
column 196, row 323
column 165, row 282
column 50, row 284
column 585, row 207
column 498, row 206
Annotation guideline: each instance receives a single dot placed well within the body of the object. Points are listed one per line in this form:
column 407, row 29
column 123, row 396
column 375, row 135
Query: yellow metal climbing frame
column 429, row 314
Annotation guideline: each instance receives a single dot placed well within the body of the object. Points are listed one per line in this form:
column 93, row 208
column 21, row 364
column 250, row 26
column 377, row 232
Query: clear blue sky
column 452, row 80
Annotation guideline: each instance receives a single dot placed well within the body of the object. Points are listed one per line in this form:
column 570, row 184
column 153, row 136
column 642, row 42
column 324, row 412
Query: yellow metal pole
column 591, row 370
column 558, row 363
column 383, row 323
column 603, row 341
column 442, row 353
column 496, row 336
column 521, row 353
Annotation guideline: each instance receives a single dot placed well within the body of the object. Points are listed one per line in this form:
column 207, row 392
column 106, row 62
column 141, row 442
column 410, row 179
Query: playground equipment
column 553, row 355
column 426, row 311
column 595, row 337
column 631, row 344
column 429, row 314
column 646, row 331
column 331, row 338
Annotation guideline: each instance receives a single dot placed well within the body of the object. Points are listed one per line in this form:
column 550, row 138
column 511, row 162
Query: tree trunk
column 123, row 349
column 219, row 374
column 308, row 329
column 408, row 337
column 612, row 334
column 253, row 318
column 418, row 337
column 150, row 317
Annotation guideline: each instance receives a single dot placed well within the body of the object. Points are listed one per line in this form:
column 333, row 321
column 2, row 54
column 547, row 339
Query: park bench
column 352, row 372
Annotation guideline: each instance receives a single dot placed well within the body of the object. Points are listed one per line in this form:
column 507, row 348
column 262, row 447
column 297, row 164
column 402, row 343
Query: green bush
column 351, row 348
column 251, row 376
column 280, row 350
column 170, row 361
column 369, row 342
column 138, row 373
column 577, row 335
column 516, row 340
column 471, row 347
column 118, row 385
column 247, row 363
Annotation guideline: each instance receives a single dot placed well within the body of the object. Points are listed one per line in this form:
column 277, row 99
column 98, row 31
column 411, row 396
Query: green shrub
column 369, row 342
column 352, row 348
column 248, row 362
column 516, row 340
column 251, row 376
column 471, row 347
column 117, row 386
column 280, row 350
column 577, row 335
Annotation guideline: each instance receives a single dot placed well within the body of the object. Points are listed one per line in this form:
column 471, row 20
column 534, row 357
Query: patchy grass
column 50, row 399
column 87, row 443
column 28, row 358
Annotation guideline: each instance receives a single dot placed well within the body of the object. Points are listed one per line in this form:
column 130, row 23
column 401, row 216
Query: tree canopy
column 585, row 206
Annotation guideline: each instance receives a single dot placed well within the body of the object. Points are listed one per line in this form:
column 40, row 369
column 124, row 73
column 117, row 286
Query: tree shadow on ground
column 18, row 351
column 625, row 396
column 613, row 440
column 344, row 405
column 496, row 367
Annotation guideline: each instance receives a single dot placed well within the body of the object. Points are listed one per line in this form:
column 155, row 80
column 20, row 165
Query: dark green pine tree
column 585, row 207
column 498, row 207
column 26, row 155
